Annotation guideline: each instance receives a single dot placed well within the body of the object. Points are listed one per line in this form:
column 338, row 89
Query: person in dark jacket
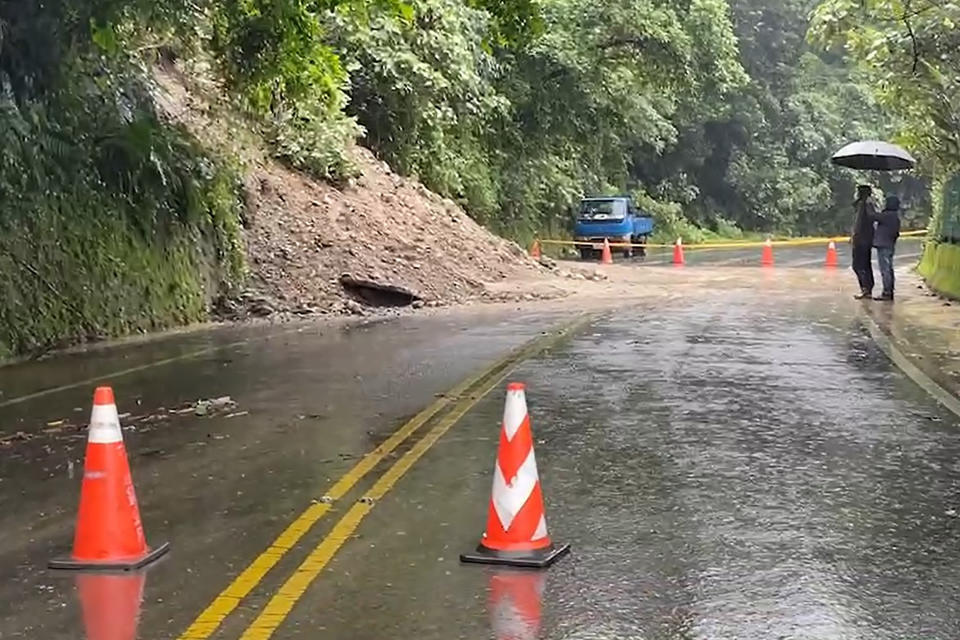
column 861, row 239
column 885, row 240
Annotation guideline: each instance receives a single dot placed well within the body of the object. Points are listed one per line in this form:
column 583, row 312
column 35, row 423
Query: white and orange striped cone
column 516, row 532
column 516, row 599
column 109, row 533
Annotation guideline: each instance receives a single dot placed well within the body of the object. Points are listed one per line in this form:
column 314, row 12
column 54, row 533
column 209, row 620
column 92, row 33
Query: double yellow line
column 459, row 399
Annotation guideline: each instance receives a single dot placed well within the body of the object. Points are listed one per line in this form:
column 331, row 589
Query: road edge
column 886, row 343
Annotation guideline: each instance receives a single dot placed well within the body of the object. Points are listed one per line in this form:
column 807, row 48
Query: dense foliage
column 909, row 51
column 716, row 114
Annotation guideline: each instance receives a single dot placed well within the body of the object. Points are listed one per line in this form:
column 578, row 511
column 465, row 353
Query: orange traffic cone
column 535, row 250
column 515, row 605
column 516, row 524
column 678, row 253
column 109, row 533
column 832, row 254
column 767, row 258
column 111, row 604
column 606, row 257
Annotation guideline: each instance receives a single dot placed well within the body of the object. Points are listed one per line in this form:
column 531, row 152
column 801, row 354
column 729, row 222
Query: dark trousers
column 885, row 261
column 863, row 267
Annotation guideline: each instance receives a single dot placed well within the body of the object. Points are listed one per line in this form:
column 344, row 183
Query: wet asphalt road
column 739, row 463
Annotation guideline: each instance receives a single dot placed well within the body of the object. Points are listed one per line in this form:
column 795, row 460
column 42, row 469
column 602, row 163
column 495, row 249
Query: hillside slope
column 306, row 238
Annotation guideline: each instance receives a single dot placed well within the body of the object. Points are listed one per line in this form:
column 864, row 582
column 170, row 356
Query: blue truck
column 612, row 218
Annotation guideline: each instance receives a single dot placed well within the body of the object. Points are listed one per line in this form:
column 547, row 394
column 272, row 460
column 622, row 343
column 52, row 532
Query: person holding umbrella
column 861, row 240
column 872, row 155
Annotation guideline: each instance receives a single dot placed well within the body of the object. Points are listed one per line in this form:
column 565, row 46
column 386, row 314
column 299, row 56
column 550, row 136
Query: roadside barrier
column 678, row 258
column 606, row 257
column 831, row 254
column 535, row 250
column 516, row 532
column 109, row 534
column 766, row 258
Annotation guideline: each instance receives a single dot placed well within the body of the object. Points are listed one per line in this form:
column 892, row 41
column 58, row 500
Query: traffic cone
column 832, row 254
column 515, row 604
column 535, row 250
column 516, row 532
column 678, row 253
column 767, row 258
column 111, row 604
column 606, row 257
column 109, row 534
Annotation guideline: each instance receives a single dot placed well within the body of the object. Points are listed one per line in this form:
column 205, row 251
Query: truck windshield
column 603, row 210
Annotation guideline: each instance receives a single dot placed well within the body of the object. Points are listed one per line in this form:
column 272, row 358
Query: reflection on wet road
column 738, row 463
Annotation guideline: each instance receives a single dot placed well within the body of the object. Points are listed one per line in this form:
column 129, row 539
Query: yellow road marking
column 213, row 616
column 283, row 601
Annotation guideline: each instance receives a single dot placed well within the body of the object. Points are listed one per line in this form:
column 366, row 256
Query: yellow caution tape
column 722, row 245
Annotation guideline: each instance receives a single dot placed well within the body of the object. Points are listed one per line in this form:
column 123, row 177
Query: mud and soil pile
column 384, row 241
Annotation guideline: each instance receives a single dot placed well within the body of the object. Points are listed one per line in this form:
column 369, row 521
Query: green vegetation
column 908, row 52
column 718, row 115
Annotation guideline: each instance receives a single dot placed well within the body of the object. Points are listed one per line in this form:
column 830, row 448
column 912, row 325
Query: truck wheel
column 642, row 251
column 586, row 253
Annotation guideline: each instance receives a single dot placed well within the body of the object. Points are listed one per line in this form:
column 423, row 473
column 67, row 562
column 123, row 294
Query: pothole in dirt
column 377, row 294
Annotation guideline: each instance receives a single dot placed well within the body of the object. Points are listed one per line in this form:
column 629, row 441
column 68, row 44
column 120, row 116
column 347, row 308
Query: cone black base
column 69, row 564
column 537, row 559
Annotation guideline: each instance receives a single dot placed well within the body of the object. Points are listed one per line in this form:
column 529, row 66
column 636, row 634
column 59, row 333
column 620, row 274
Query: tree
column 910, row 52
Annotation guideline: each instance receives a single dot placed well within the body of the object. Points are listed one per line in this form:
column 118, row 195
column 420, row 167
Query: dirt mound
column 383, row 241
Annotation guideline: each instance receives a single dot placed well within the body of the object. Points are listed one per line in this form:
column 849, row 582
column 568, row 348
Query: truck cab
column 611, row 218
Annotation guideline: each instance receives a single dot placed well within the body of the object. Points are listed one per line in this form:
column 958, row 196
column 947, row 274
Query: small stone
column 261, row 309
column 354, row 307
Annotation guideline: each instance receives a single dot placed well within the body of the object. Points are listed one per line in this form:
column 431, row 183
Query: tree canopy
column 719, row 115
